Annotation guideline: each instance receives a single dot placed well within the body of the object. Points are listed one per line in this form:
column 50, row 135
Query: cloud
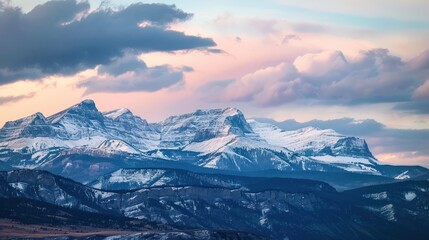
column 320, row 64
column 398, row 10
column 415, row 107
column 290, row 37
column 215, row 50
column 347, row 126
column 382, row 140
column 64, row 37
column 402, row 140
column 12, row 99
column 130, row 74
column 229, row 23
column 305, row 27
column 422, row 92
column 328, row 77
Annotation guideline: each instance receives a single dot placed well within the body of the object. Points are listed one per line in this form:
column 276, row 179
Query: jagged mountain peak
column 35, row 119
column 86, row 109
column 85, row 105
column 216, row 112
column 36, row 123
column 228, row 111
column 124, row 120
column 201, row 125
column 114, row 114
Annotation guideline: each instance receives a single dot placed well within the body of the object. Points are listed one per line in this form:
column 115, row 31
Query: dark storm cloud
column 401, row 140
column 12, row 99
column 415, row 107
column 63, row 37
column 129, row 74
column 122, row 65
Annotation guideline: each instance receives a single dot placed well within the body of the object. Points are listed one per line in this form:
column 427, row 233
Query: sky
column 359, row 67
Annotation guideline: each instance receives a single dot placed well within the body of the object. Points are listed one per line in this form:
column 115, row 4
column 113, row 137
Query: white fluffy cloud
column 320, row 64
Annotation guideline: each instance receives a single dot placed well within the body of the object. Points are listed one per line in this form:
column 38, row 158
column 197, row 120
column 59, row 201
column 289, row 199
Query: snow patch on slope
column 376, row 196
column 142, row 177
column 342, row 159
column 298, row 140
column 410, row 196
column 114, row 145
column 388, row 212
column 116, row 113
column 403, row 176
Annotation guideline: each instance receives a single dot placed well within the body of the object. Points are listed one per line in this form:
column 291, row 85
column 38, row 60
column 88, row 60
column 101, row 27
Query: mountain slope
column 275, row 214
column 25, row 218
column 158, row 176
column 127, row 179
column 403, row 203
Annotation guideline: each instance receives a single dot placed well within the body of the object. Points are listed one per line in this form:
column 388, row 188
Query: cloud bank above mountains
column 329, row 78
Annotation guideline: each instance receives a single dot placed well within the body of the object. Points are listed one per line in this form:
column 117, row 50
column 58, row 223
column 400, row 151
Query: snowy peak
column 87, row 103
column 35, row 124
column 352, row 146
column 236, row 120
column 86, row 106
column 318, row 131
column 313, row 141
column 122, row 124
column 124, row 116
column 308, row 138
column 201, row 125
column 228, row 120
column 85, row 109
column 78, row 121
column 35, row 119
column 117, row 113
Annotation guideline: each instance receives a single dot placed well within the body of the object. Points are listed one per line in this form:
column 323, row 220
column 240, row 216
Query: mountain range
column 205, row 170
column 217, row 139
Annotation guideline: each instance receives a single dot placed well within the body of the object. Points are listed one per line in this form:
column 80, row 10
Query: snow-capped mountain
column 313, row 141
column 217, row 138
column 328, row 146
column 123, row 124
column 179, row 131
